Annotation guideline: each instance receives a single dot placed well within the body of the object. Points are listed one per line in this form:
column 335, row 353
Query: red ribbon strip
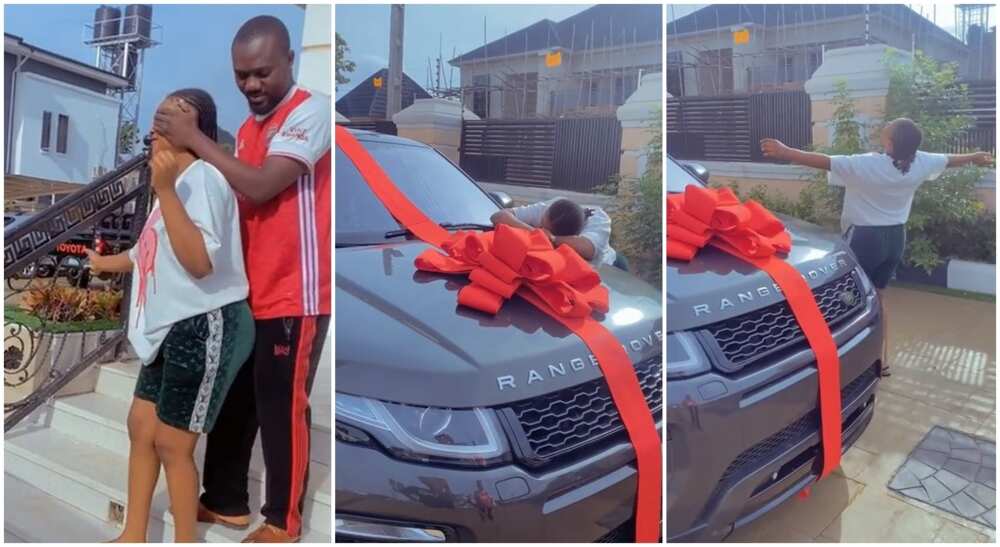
column 557, row 282
column 748, row 231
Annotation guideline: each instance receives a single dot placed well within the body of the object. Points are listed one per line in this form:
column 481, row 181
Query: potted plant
column 52, row 328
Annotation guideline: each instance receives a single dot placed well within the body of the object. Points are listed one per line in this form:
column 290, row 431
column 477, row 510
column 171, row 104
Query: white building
column 60, row 121
column 315, row 59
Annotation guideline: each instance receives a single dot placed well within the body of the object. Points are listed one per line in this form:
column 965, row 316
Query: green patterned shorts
column 197, row 363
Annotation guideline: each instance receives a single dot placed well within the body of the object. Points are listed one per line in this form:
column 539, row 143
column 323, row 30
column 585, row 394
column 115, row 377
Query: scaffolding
column 972, row 24
column 794, row 48
column 591, row 80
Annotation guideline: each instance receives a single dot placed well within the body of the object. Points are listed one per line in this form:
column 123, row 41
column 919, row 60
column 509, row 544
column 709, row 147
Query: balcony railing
column 59, row 318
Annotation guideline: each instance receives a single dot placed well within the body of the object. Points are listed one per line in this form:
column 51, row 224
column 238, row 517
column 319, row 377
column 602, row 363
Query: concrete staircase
column 66, row 466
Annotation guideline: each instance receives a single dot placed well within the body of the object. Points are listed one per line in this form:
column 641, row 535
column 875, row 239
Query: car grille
column 625, row 533
column 765, row 451
column 563, row 422
column 752, row 336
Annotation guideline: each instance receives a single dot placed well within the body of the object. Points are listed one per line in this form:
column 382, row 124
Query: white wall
column 93, row 123
column 315, row 58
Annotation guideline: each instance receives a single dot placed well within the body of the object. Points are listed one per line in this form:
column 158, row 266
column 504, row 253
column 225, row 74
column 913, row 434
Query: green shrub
column 930, row 94
column 637, row 219
column 947, row 220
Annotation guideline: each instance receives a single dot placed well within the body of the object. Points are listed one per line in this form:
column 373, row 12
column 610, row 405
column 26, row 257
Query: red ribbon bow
column 502, row 261
column 556, row 281
column 702, row 216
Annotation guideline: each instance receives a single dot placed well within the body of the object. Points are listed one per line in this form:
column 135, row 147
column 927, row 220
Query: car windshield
column 429, row 180
column 678, row 177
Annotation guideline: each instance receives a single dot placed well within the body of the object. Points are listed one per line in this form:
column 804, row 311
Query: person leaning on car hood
column 586, row 230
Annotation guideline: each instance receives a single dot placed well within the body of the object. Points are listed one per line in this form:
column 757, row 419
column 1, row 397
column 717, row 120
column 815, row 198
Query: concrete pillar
column 635, row 116
column 435, row 122
column 315, row 58
column 866, row 72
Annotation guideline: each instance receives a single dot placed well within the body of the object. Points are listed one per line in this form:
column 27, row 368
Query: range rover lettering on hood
column 765, row 291
column 578, row 364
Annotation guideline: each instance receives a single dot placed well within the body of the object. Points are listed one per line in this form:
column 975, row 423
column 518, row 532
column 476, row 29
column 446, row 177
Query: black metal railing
column 59, row 319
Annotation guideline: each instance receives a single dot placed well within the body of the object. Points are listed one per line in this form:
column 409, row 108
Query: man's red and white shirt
column 287, row 240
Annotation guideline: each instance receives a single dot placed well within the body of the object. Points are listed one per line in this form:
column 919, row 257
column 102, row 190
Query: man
column 281, row 174
column 586, row 231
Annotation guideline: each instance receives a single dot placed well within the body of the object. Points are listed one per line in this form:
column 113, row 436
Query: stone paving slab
column 952, row 471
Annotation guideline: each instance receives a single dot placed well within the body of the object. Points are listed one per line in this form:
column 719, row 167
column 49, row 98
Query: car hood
column 716, row 285
column 402, row 337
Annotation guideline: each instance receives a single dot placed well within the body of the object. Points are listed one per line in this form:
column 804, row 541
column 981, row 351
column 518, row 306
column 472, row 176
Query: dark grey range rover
column 742, row 419
column 452, row 425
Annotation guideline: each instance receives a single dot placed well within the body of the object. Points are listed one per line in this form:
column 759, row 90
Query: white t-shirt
column 876, row 192
column 596, row 228
column 163, row 292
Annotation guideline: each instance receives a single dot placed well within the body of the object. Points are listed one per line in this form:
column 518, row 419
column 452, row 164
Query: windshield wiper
column 445, row 225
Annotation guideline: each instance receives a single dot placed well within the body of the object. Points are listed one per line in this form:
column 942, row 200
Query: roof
column 367, row 101
column 23, row 187
column 603, row 25
column 726, row 15
column 17, row 46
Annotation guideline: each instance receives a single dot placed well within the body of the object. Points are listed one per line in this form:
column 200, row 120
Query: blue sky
column 459, row 28
column 194, row 51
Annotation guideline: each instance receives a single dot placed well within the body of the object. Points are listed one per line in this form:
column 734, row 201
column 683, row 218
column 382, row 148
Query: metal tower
column 972, row 23
column 120, row 42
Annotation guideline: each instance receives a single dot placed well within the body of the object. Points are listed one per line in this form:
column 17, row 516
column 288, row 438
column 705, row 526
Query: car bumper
column 589, row 499
column 735, row 457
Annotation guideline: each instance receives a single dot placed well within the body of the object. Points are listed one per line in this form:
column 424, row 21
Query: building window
column 715, row 72
column 62, row 134
column 788, row 68
column 675, row 73
column 625, row 86
column 814, row 62
column 520, row 96
column 481, row 96
column 46, row 130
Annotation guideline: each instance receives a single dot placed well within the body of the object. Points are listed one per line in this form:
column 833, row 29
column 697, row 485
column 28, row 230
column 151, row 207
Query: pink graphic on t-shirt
column 146, row 260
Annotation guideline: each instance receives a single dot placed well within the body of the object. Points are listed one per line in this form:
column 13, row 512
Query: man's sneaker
column 270, row 534
column 238, row 522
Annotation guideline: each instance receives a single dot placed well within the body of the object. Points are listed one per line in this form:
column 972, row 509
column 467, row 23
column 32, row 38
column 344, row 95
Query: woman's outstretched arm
column 983, row 159
column 775, row 149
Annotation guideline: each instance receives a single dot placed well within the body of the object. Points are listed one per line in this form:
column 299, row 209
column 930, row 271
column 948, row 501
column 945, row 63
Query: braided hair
column 204, row 106
column 566, row 217
column 906, row 137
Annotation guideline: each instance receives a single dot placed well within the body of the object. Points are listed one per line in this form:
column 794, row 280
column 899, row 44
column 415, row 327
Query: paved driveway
column 943, row 356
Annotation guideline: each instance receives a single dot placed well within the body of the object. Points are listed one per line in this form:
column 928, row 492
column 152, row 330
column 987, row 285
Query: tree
column 344, row 65
column 128, row 137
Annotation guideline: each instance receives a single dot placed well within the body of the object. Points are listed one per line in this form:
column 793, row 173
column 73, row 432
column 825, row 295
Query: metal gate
column 729, row 128
column 571, row 154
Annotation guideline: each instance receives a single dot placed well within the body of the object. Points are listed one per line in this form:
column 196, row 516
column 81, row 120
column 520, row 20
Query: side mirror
column 503, row 199
column 699, row 170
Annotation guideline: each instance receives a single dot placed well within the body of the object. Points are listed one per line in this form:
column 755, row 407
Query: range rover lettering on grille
column 579, row 364
column 765, row 291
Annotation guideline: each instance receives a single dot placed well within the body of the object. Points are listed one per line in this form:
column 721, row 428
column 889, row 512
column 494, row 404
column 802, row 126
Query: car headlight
column 684, row 356
column 866, row 283
column 470, row 437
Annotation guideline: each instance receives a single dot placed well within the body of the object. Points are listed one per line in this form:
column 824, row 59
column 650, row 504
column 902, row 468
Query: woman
column 189, row 321
column 879, row 191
